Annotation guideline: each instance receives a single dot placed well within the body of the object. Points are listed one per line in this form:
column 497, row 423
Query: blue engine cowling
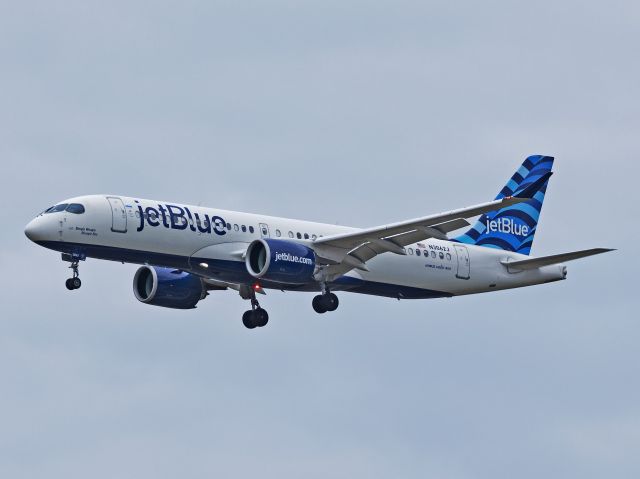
column 168, row 287
column 280, row 261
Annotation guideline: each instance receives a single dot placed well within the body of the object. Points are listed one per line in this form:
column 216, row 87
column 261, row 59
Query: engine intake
column 280, row 261
column 167, row 287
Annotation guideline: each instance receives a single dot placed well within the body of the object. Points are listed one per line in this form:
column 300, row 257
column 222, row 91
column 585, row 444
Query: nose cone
column 34, row 230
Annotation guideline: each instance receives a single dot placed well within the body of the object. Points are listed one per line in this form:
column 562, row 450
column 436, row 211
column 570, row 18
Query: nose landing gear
column 73, row 282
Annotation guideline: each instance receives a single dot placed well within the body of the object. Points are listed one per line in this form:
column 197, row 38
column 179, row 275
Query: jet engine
column 280, row 261
column 168, row 287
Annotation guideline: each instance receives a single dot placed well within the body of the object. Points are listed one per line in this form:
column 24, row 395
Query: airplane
column 188, row 251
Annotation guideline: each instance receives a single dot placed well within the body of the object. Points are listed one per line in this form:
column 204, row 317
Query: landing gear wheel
column 318, row 304
column 247, row 320
column 331, row 302
column 73, row 282
column 255, row 318
column 260, row 317
column 325, row 302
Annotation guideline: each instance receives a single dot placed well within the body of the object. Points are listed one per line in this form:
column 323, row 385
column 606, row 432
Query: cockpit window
column 56, row 208
column 76, row 208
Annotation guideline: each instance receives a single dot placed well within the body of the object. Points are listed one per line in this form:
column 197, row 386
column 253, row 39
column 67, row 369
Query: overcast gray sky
column 355, row 113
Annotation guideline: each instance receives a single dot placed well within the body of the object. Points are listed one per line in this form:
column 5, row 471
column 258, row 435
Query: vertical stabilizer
column 513, row 228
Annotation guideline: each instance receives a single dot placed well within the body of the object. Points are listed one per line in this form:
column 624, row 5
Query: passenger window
column 229, row 226
column 236, row 228
column 265, row 232
column 410, row 250
column 441, row 255
column 433, row 254
column 417, row 252
column 314, row 237
column 278, row 233
column 251, row 230
column 298, row 235
column 290, row 234
column 449, row 256
column 244, row 229
column 306, row 236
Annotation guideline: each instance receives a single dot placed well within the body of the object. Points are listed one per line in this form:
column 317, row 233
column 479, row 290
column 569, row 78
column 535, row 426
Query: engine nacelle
column 280, row 261
column 168, row 287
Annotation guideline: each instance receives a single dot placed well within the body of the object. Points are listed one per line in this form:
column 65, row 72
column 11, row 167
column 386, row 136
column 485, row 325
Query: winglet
column 534, row 187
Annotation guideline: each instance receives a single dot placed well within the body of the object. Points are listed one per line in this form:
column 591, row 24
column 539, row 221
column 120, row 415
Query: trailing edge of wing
column 342, row 260
column 535, row 263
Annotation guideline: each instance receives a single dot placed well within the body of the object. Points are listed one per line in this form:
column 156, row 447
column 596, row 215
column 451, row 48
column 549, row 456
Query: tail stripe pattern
column 514, row 227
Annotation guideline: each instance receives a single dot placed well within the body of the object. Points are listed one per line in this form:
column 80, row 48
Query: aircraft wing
column 346, row 251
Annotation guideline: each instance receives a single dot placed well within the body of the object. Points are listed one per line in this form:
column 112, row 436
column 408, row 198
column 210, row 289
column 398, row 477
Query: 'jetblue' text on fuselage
column 180, row 218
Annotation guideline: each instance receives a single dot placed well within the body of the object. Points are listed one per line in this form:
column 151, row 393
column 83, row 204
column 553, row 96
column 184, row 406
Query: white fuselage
column 211, row 243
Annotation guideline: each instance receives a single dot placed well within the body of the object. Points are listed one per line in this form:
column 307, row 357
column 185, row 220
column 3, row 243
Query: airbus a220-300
column 188, row 251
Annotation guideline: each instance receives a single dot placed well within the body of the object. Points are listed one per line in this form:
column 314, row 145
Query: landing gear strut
column 256, row 317
column 73, row 282
column 324, row 302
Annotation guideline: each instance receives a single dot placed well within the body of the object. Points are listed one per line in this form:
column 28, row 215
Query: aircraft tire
column 318, row 304
column 331, row 302
column 247, row 319
column 260, row 317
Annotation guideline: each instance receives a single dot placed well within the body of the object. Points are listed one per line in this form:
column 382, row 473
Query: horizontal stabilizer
column 534, row 263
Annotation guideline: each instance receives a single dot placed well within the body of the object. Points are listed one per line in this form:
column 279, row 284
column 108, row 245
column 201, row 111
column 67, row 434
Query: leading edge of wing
column 354, row 239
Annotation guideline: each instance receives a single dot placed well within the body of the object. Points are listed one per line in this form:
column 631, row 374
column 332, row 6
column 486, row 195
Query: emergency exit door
column 264, row 230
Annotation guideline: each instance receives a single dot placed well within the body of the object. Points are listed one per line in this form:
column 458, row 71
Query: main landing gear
column 325, row 302
column 256, row 317
column 74, row 282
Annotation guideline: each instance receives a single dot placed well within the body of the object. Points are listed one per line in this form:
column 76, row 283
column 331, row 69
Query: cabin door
column 464, row 265
column 118, row 215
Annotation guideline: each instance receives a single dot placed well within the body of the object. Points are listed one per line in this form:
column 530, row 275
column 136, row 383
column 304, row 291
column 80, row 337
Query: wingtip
column 603, row 250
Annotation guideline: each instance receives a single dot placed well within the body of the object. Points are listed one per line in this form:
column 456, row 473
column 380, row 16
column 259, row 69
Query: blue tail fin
column 514, row 227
